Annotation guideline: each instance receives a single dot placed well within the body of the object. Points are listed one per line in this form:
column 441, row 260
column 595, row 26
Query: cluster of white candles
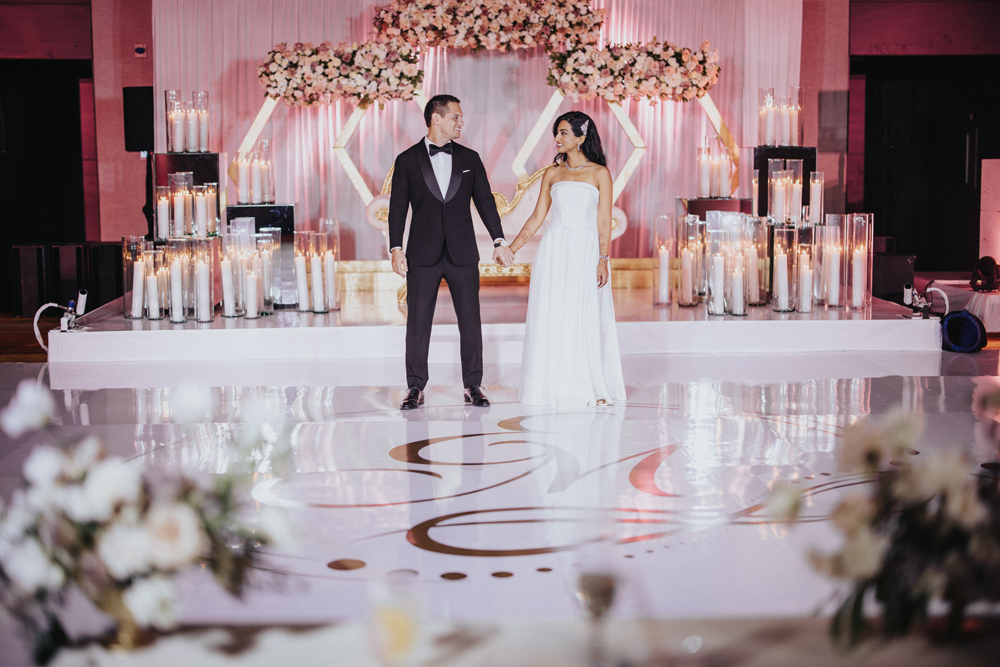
column 316, row 272
column 778, row 121
column 255, row 176
column 162, row 279
column 186, row 209
column 247, row 272
column 714, row 168
column 187, row 123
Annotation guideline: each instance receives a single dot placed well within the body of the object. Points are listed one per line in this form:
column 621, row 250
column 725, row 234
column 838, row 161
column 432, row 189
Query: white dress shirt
column 442, row 167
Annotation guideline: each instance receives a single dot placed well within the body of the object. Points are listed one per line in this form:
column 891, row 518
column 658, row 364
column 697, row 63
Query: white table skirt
column 986, row 306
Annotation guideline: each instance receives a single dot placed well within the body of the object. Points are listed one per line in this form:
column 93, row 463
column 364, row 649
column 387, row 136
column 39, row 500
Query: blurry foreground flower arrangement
column 117, row 532
column 928, row 531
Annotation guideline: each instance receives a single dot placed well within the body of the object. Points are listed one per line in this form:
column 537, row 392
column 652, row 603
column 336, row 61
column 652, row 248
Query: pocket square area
column 466, row 171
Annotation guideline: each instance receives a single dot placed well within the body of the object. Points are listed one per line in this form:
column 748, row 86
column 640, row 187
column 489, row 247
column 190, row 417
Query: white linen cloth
column 571, row 355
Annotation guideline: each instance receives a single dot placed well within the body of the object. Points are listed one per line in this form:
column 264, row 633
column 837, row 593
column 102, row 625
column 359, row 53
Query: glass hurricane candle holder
column 767, row 120
column 704, row 173
column 266, row 170
column 163, row 230
column 231, row 274
column 829, row 255
column 177, row 259
column 783, row 262
column 806, row 274
column 663, row 243
column 264, row 268
column 715, row 252
column 175, row 121
column 755, row 192
column 794, row 196
column 243, row 167
column 331, row 227
column 203, row 271
column 689, row 251
column 317, row 286
column 784, row 122
column 134, row 270
column 274, row 286
column 756, row 244
column 153, row 259
column 212, row 193
column 199, row 101
column 816, row 197
column 301, row 240
column 736, row 286
column 795, row 115
column 180, row 189
column 858, row 273
column 199, row 197
column 779, row 189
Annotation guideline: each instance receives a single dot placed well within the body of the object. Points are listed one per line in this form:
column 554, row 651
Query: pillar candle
column 319, row 304
column 178, row 214
column 330, row 272
column 753, row 276
column 163, row 277
column 705, row 178
column 687, row 285
column 754, row 197
column 251, row 295
column 805, row 285
column 213, row 211
column 717, row 165
column 762, row 125
column 265, row 182
column 815, row 202
column 203, row 130
column 301, row 282
column 770, row 120
column 781, row 279
column 243, row 182
column 176, row 292
column 718, row 284
column 201, row 215
column 192, row 131
column 138, row 287
column 203, row 291
column 258, row 269
column 859, row 271
column 795, row 212
column 177, row 131
column 267, row 280
column 663, row 295
column 738, row 304
column 152, row 298
column 793, row 122
column 779, row 202
column 256, row 192
column 786, row 138
column 163, row 217
column 832, row 260
column 228, row 288
column 188, row 199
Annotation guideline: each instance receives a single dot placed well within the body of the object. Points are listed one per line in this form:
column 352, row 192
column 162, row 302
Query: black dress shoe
column 413, row 400
column 475, row 395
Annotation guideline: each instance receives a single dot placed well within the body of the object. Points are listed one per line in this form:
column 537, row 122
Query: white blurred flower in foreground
column 109, row 483
column 176, row 535
column 784, row 502
column 31, row 408
column 153, row 602
column 125, row 550
column 43, row 467
column 30, row 569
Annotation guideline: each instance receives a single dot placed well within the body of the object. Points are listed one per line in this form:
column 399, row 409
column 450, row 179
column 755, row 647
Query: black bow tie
column 435, row 149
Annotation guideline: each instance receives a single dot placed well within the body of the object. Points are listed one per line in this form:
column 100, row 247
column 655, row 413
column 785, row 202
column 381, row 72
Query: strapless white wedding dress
column 571, row 356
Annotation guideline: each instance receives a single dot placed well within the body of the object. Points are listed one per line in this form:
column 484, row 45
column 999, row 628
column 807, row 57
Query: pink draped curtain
column 216, row 46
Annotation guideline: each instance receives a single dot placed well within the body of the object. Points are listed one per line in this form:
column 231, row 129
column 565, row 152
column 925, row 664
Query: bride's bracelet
column 604, row 257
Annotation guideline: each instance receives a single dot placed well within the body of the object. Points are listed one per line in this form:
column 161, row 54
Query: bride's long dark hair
column 591, row 146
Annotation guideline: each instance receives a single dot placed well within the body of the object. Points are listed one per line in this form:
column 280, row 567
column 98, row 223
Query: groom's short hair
column 438, row 105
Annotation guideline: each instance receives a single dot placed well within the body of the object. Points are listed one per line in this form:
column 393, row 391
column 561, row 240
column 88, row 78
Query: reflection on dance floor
column 492, row 511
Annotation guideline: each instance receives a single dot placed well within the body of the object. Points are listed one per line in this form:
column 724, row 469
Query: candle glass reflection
column 663, row 244
column 212, row 192
column 795, row 115
column 755, row 193
column 275, row 286
column 263, row 152
column 317, row 282
column 704, row 173
column 794, row 194
column 243, row 167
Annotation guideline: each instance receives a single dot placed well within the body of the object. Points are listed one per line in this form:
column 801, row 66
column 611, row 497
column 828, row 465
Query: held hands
column 603, row 273
column 399, row 262
column 503, row 256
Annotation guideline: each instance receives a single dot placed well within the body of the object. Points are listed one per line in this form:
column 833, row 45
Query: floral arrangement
column 654, row 71
column 928, row 531
column 490, row 24
column 569, row 30
column 366, row 72
column 118, row 533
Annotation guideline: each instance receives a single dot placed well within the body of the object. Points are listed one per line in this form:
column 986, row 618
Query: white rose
column 153, row 602
column 30, row 569
column 31, row 408
column 125, row 550
column 109, row 483
column 43, row 467
column 176, row 535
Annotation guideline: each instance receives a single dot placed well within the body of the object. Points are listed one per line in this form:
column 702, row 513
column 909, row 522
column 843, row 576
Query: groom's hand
column 502, row 256
column 399, row 262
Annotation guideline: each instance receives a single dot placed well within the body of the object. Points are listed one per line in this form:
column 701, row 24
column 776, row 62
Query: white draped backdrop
column 216, row 46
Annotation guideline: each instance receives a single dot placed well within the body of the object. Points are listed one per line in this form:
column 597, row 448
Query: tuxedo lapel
column 428, row 171
column 456, row 172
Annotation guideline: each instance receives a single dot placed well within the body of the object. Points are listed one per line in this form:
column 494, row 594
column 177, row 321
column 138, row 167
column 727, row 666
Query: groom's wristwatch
column 500, row 243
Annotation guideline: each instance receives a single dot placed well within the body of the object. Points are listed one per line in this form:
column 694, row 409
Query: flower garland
column 386, row 68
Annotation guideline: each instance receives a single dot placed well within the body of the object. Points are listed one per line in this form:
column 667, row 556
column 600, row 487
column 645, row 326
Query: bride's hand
column 602, row 273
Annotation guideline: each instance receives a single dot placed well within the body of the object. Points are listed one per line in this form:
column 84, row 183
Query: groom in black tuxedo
column 439, row 179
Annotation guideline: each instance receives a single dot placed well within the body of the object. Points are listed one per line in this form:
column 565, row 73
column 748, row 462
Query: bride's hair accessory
column 585, row 127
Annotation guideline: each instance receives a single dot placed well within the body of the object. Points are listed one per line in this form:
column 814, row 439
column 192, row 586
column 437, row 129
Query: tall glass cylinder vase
column 829, row 255
column 302, row 271
column 704, row 173
column 178, row 259
column 816, row 198
column 858, row 251
column 689, row 248
column 199, row 197
column 779, row 189
column 794, row 197
column 154, row 283
column 317, row 286
column 795, row 115
column 203, row 270
column 767, row 123
column 784, row 269
column 720, row 168
column 134, row 270
column 756, row 243
column 715, row 252
column 163, row 207
column 264, row 267
column 784, row 124
column 180, row 184
column 231, row 275
column 190, row 127
column 252, row 286
column 736, row 285
column 701, row 258
column 212, row 193
column 274, row 287
column 175, row 121
column 199, row 100
column 332, row 229
column 663, row 244
column 806, row 275
column 264, row 158
column 243, row 168
column 755, row 193
column 258, row 172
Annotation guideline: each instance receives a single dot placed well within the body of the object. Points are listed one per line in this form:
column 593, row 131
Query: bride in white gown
column 571, row 356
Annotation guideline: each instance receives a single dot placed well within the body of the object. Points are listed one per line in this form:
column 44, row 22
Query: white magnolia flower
column 31, row 409
column 30, row 569
column 191, row 405
column 176, row 535
column 43, row 467
column 153, row 602
column 784, row 502
column 861, row 557
column 124, row 549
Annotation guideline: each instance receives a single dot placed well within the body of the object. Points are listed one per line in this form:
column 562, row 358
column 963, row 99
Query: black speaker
column 137, row 103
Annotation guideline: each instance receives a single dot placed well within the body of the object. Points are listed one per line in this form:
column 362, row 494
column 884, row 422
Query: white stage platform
column 370, row 325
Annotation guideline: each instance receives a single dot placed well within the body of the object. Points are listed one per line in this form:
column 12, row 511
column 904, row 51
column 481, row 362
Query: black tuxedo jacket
column 440, row 218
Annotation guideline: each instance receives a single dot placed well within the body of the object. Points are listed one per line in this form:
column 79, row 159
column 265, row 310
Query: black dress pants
column 422, row 283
